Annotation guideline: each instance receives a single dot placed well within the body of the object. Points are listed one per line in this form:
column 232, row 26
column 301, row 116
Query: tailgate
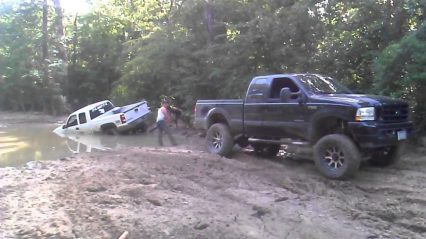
column 135, row 111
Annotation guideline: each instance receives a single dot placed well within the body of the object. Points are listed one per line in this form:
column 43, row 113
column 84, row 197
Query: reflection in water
column 20, row 144
column 10, row 144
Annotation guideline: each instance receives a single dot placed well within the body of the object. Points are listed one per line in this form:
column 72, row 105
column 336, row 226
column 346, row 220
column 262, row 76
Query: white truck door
column 72, row 125
column 83, row 122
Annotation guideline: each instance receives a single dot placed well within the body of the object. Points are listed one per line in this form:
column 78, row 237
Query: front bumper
column 372, row 134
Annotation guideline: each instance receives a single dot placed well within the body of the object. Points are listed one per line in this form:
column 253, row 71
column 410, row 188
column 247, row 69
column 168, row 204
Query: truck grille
column 394, row 113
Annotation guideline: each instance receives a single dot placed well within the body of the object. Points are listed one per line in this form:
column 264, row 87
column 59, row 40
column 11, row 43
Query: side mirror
column 64, row 126
column 285, row 94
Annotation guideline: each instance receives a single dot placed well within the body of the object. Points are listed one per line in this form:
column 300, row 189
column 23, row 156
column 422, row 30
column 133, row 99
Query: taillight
column 122, row 119
column 195, row 110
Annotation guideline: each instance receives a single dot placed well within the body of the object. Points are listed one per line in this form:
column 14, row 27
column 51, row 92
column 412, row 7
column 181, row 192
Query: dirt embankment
column 9, row 117
column 182, row 192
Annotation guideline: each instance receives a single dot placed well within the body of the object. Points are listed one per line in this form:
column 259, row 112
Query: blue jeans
column 163, row 127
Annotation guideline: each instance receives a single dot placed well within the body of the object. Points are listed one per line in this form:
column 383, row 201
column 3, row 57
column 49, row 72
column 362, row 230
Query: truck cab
column 279, row 103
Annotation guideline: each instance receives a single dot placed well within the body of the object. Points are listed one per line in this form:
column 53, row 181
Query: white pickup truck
column 104, row 117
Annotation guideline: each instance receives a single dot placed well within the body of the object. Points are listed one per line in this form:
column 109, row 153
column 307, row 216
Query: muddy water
column 22, row 143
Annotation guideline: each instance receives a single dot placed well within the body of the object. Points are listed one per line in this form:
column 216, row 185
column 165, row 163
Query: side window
column 82, row 118
column 256, row 92
column 72, row 121
column 280, row 83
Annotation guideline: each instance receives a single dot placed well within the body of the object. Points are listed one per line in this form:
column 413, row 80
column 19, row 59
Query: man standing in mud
column 163, row 119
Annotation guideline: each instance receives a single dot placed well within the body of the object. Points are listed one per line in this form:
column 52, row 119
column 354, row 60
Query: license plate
column 402, row 135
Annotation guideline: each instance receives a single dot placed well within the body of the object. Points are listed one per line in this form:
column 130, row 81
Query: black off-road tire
column 219, row 140
column 336, row 156
column 387, row 156
column 266, row 150
column 142, row 128
column 110, row 130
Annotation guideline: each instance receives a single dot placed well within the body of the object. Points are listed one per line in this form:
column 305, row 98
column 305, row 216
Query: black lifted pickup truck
column 310, row 111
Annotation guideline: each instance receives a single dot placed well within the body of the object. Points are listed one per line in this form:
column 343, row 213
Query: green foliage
column 19, row 69
column 21, row 64
column 95, row 47
column 191, row 49
column 188, row 59
column 400, row 71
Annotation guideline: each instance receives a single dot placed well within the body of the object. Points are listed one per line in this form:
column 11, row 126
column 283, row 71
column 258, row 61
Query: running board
column 281, row 141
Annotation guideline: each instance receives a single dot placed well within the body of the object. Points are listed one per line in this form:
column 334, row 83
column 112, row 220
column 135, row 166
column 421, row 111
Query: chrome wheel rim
column 217, row 140
column 334, row 158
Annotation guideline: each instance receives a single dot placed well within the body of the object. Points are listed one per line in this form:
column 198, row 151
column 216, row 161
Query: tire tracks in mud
column 160, row 196
column 390, row 201
column 394, row 198
column 160, row 193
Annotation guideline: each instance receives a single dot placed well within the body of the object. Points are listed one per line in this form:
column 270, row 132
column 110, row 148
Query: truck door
column 72, row 124
column 82, row 120
column 253, row 107
column 284, row 119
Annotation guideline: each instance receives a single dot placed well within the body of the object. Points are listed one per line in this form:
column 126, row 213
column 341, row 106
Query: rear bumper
column 376, row 134
column 135, row 124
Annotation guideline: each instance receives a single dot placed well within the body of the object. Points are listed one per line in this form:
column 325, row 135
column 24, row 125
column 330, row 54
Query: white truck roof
column 89, row 107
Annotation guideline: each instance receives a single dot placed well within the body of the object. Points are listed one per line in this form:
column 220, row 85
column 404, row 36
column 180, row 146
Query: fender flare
column 213, row 112
column 317, row 118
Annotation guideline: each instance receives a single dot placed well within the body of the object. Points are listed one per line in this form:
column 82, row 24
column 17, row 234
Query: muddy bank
column 155, row 193
column 11, row 117
column 186, row 193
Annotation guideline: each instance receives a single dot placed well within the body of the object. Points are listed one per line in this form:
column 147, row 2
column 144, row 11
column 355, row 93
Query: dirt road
column 183, row 192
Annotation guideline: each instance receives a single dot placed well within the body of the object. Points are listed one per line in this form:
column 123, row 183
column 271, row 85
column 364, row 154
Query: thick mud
column 184, row 192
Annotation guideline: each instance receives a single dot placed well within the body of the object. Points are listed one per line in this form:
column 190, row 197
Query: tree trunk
column 60, row 30
column 74, row 42
column 44, row 58
column 400, row 22
column 208, row 16
column 57, row 103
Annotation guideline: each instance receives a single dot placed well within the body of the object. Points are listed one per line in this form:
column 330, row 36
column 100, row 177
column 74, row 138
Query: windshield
column 317, row 84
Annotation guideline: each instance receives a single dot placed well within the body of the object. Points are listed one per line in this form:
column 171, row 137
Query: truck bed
column 233, row 108
column 222, row 101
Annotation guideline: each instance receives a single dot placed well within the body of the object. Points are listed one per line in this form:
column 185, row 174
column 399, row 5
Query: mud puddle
column 22, row 143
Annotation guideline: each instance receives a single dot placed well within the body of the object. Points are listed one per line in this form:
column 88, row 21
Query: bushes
column 400, row 71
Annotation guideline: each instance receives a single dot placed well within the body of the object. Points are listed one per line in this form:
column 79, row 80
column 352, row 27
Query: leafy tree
column 357, row 31
column 191, row 49
column 95, row 43
column 400, row 72
column 28, row 66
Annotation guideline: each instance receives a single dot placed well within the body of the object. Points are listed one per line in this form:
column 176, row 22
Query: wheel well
column 329, row 125
column 216, row 118
column 108, row 126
